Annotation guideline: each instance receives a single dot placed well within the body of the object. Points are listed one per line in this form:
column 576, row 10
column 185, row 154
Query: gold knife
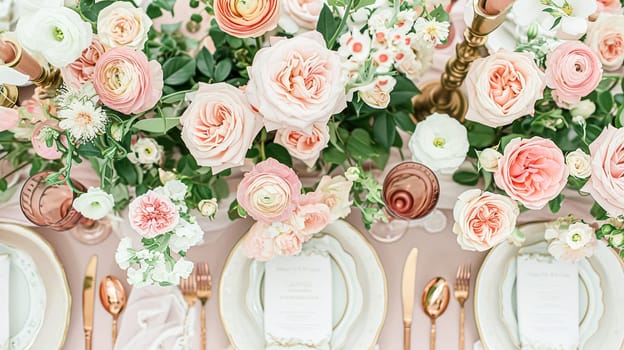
column 88, row 300
column 407, row 294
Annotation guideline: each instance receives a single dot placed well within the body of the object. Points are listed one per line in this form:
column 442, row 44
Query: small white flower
column 573, row 244
column 353, row 173
column 574, row 16
column 355, row 45
column 405, row 21
column 183, row 268
column 185, row 236
column 208, row 207
column 278, row 228
column 95, row 204
column 488, row 159
column 176, row 189
column 381, row 19
column 137, row 277
column 83, row 120
column 583, row 109
column 124, row 253
column 165, row 176
column 431, row 31
column 579, row 164
column 145, row 151
column 440, row 142
column 162, row 273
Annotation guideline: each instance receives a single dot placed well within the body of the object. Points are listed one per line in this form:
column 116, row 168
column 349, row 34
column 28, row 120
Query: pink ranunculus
column 532, row 171
column 126, row 82
column 153, row 214
column 288, row 244
column 483, row 220
column 609, row 6
column 257, row 244
column 296, row 82
column 9, row 118
column 81, row 71
column 606, row 37
column 606, row 184
column 219, row 126
column 38, row 140
column 270, row 192
column 503, row 87
column 573, row 71
column 303, row 146
column 244, row 19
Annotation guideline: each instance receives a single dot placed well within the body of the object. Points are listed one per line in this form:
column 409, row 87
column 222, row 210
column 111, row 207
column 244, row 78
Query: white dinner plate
column 241, row 326
column 58, row 300
column 488, row 297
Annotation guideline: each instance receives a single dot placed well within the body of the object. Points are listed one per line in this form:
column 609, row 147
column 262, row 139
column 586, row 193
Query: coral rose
column 503, row 87
column 573, row 70
column 296, row 82
column 126, row 82
column 532, row 171
column 306, row 148
column 153, row 214
column 122, row 24
column 606, row 37
column 606, row 184
column 81, row 71
column 219, row 126
column 246, row 18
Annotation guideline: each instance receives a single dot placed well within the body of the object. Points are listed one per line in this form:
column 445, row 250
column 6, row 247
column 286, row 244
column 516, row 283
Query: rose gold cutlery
column 113, row 299
column 188, row 287
column 462, row 291
column 204, row 292
column 407, row 294
column 435, row 299
column 88, row 300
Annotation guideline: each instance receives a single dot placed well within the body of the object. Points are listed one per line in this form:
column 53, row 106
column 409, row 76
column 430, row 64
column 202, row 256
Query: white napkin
column 477, row 346
column 154, row 320
column 5, row 264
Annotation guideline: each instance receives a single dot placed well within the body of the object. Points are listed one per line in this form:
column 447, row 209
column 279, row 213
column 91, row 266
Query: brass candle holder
column 444, row 95
column 8, row 95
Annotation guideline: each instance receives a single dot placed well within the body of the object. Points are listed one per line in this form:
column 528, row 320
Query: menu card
column 548, row 298
column 298, row 302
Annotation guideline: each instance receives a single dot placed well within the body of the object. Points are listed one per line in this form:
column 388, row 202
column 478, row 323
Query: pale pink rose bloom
column 219, row 126
column 334, row 193
column 123, row 24
column 39, row 142
column 81, row 71
column 270, row 192
column 483, row 220
column 36, row 110
column 244, row 19
column 503, row 87
column 303, row 146
column 126, row 82
column 573, row 71
column 300, row 13
column 9, row 118
column 606, row 185
column 606, row 37
column 296, row 82
column 257, row 244
column 609, row 6
column 532, row 171
column 288, row 244
column 314, row 214
column 153, row 214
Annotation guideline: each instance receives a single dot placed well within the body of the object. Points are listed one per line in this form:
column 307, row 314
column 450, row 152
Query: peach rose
column 296, row 82
column 606, row 37
column 122, row 24
column 573, row 70
column 219, row 126
column 246, row 18
column 483, row 220
column 81, row 71
column 503, row 87
column 257, row 244
column 306, row 148
column 9, row 118
column 606, row 184
column 609, row 6
column 300, row 14
column 532, row 171
column 313, row 214
column 126, row 82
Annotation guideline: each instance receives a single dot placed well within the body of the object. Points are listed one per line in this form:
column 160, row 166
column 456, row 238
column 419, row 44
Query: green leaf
column 404, row 121
column 440, row 14
column 157, row 125
column 90, row 9
column 481, row 136
column 170, row 28
column 599, row 212
column 222, row 70
column 278, row 152
column 153, row 11
column 465, row 177
column 178, row 70
column 362, row 3
column 555, row 203
column 605, row 102
column 205, row 62
column 217, row 35
column 3, row 185
column 403, row 92
column 360, row 145
column 327, row 24
column 233, row 210
column 334, row 156
column 505, row 140
column 221, row 188
column 384, row 130
column 174, row 97
column 165, row 4
column 88, row 150
column 127, row 171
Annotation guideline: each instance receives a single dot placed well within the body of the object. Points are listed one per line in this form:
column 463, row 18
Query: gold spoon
column 113, row 298
column 435, row 299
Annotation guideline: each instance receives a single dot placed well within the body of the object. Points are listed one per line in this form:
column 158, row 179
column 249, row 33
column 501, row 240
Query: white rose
column 124, row 253
column 296, row 15
column 335, row 194
column 353, row 173
column 439, row 142
column 176, row 189
column 122, row 24
column 606, row 38
column 165, row 176
column 584, row 109
column 579, row 164
column 58, row 34
column 26, row 7
column 185, row 236
column 377, row 93
column 208, row 207
column 145, row 151
column 488, row 159
column 95, row 204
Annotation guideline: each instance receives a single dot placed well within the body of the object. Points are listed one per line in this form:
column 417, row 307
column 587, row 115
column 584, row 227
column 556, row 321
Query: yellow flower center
column 576, row 237
column 58, row 34
column 246, row 7
column 439, row 142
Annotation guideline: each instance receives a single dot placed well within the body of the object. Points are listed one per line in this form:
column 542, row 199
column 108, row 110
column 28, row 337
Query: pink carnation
column 153, row 214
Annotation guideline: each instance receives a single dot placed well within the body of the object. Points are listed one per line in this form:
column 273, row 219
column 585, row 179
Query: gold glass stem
column 8, row 95
column 432, row 337
column 407, row 336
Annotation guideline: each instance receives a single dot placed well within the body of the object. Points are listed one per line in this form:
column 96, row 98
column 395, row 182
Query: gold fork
column 204, row 292
column 188, row 287
column 462, row 291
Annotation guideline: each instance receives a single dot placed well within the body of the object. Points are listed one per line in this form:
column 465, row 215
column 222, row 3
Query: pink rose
column 609, row 6
column 573, row 70
column 483, row 220
column 532, row 171
column 9, row 118
column 606, row 184
column 288, row 244
column 126, row 82
column 296, row 82
column 38, row 140
column 300, row 14
column 219, row 126
column 81, row 71
column 313, row 213
column 270, row 192
column 257, row 244
column 503, row 87
column 305, row 147
column 153, row 214
column 606, row 37
column 334, row 193
column 244, row 19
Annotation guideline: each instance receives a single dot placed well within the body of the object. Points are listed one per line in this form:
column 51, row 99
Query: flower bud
column 208, row 207
column 584, row 109
column 165, row 176
column 578, row 163
column 352, row 174
column 488, row 159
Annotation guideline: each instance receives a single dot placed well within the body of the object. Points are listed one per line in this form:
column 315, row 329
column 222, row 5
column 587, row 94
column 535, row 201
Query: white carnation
column 124, row 253
column 95, row 204
column 185, row 236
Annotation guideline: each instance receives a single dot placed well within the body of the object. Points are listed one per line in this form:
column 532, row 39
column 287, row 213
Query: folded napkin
column 154, row 320
column 4, row 301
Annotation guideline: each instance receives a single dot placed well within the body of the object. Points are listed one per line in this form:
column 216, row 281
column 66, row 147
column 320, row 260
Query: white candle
column 26, row 65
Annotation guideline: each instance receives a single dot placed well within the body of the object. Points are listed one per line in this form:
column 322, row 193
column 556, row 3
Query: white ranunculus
column 573, row 244
column 26, row 7
column 488, row 159
column 58, row 34
column 440, row 142
column 208, row 207
column 122, row 24
column 185, row 236
column 145, row 151
column 574, row 16
column 176, row 189
column 95, row 204
column 124, row 253
column 579, row 164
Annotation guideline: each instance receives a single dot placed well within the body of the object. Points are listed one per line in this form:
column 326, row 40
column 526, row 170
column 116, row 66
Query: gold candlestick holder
column 8, row 95
column 444, row 95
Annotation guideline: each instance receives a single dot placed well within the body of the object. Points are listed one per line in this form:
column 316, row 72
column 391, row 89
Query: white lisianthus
column 58, row 34
column 95, row 204
column 145, row 151
column 124, row 253
column 84, row 120
column 488, row 159
column 439, row 142
column 574, row 15
column 122, row 24
column 185, row 236
column 176, row 189
column 353, row 173
column 208, row 207
column 579, row 164
column 26, row 7
column 576, row 242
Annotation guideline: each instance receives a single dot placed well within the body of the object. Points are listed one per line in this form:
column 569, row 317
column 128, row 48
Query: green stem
column 343, row 22
column 263, row 138
column 15, row 170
